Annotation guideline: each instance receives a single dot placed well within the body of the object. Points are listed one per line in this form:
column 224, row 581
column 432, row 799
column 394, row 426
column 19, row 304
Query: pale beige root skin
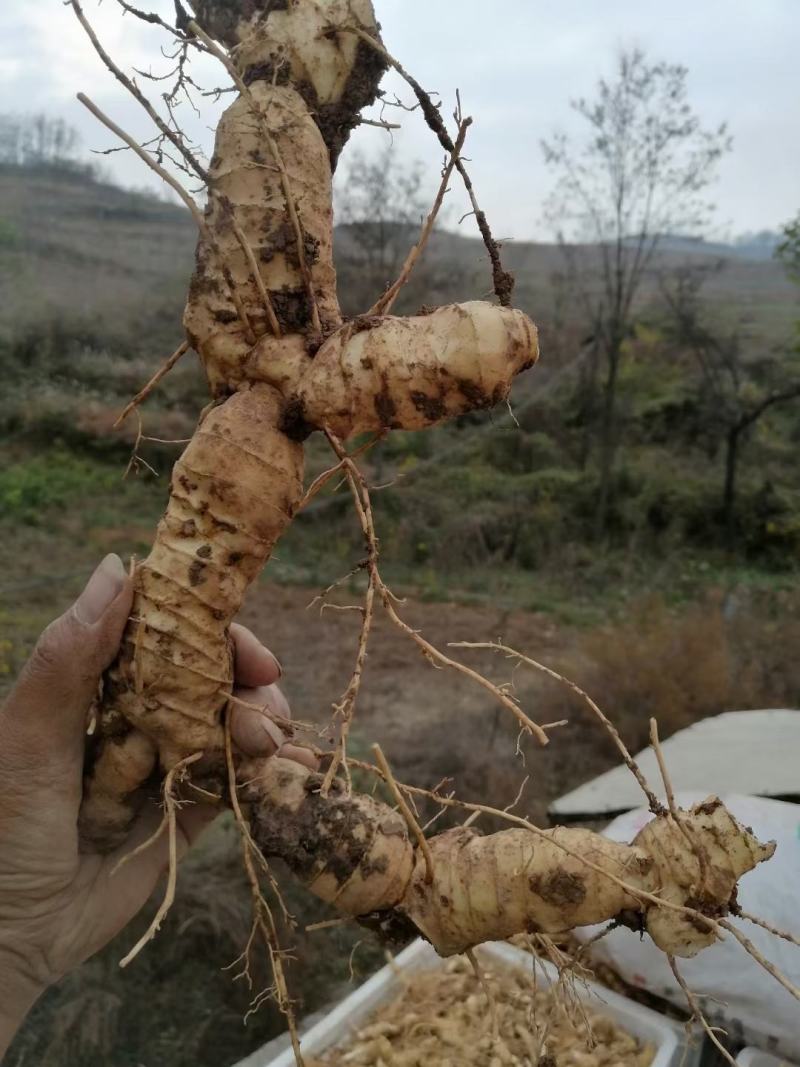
column 304, row 38
column 122, row 764
column 355, row 853
column 248, row 193
column 297, row 35
column 351, row 851
column 512, row 882
column 702, row 864
column 409, row 373
column 297, row 65
column 233, row 493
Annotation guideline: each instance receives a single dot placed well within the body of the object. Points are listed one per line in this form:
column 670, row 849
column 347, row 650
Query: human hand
column 58, row 906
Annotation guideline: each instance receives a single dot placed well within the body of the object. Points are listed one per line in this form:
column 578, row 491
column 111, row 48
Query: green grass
column 60, row 513
column 31, row 487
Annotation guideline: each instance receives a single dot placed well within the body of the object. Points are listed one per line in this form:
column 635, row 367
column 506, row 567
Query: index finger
column 254, row 664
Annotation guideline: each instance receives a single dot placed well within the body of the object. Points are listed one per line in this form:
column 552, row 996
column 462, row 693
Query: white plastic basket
column 754, row 1057
column 338, row 1026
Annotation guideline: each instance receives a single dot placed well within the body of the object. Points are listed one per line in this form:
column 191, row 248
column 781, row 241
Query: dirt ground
column 433, row 723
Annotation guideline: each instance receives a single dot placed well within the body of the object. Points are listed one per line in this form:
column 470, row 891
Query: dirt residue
column 477, row 397
column 561, row 888
column 432, row 407
column 292, row 309
column 385, row 406
column 293, row 423
column 337, row 121
column 331, row 834
column 220, row 18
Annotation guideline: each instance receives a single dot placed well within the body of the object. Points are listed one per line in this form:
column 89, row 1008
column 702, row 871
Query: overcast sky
column 517, row 63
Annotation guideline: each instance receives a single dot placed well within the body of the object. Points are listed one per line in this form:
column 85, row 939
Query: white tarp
column 753, row 752
column 736, row 992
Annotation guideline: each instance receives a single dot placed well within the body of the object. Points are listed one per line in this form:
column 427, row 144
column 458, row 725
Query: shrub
column 30, row 487
column 728, row 652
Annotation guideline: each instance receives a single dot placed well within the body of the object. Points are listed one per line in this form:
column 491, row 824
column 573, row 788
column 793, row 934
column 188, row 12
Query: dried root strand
column 346, row 705
column 674, row 811
column 269, row 308
column 698, row 1014
column 408, row 815
column 263, row 919
column 345, row 708
column 171, row 805
column 655, row 804
column 164, row 175
column 383, row 305
column 784, row 935
column 167, row 132
column 146, row 390
column 188, row 200
column 432, row 653
column 760, row 959
column 503, row 279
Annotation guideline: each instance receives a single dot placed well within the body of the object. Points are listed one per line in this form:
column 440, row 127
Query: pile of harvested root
column 442, row 1017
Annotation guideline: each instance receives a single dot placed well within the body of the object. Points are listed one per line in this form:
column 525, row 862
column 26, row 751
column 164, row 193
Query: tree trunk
column 588, row 405
column 608, row 439
column 729, row 491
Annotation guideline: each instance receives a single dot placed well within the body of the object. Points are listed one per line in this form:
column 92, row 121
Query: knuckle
column 48, row 654
column 279, row 705
column 59, row 657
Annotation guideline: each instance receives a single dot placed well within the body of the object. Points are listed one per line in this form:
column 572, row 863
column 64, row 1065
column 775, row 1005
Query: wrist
column 19, row 991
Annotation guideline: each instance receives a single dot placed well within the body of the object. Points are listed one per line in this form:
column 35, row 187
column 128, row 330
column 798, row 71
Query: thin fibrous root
column 770, row 968
column 249, row 255
column 165, row 176
column 263, row 919
column 674, row 811
column 361, row 499
column 655, row 804
column 322, row 479
column 171, row 806
column 146, row 390
column 503, row 280
column 697, row 1012
column 167, row 131
column 345, row 707
column 490, row 997
column 405, row 810
column 383, row 304
column 188, row 200
column 783, row 934
column 566, row 968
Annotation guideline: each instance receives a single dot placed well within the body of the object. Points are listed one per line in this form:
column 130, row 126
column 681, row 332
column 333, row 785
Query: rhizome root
column 263, row 315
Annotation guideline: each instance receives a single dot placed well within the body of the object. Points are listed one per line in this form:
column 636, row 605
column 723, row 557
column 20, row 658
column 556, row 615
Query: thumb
column 59, row 681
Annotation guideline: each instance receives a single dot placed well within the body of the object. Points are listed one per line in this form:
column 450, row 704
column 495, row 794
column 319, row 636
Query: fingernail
column 101, row 589
column 278, row 664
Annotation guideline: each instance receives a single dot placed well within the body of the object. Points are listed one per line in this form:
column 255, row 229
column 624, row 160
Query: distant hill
column 75, row 245
column 84, row 247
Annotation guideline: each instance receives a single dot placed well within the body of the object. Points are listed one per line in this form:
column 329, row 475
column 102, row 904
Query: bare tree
column 379, row 205
column 788, row 251
column 736, row 390
column 637, row 176
column 33, row 140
